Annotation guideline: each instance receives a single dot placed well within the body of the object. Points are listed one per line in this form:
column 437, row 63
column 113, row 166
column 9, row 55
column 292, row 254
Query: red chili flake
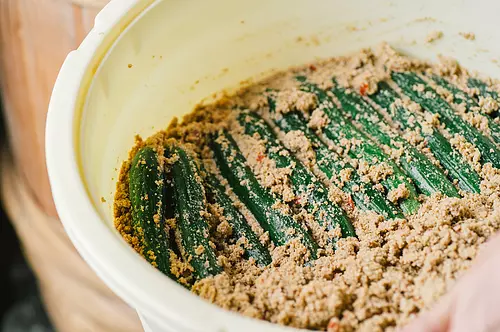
column 363, row 89
column 350, row 202
column 297, row 201
column 333, row 326
column 312, row 67
column 260, row 157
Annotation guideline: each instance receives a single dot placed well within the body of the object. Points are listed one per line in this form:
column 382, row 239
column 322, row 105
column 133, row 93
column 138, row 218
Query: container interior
column 178, row 53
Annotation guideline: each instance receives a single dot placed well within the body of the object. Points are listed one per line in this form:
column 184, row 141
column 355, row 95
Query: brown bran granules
column 376, row 282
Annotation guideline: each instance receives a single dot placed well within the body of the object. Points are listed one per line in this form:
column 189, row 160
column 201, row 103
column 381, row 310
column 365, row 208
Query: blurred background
column 21, row 308
column 44, row 283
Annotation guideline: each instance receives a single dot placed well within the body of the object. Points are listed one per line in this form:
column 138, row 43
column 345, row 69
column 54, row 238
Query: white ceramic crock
column 147, row 61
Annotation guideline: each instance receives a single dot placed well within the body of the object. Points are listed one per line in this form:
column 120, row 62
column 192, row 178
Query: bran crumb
column 468, row 35
column 433, row 36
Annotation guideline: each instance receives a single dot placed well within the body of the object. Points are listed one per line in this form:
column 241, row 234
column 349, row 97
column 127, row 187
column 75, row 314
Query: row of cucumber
column 430, row 100
column 184, row 189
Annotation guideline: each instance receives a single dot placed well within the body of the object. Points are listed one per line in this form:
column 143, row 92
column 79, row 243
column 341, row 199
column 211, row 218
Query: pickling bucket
column 147, row 61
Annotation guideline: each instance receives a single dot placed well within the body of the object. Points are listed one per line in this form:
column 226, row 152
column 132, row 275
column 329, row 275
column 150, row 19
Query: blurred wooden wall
column 35, row 37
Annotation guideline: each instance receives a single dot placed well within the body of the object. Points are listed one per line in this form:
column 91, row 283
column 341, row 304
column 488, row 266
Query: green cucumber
column 330, row 163
column 340, row 128
column 147, row 197
column 304, row 183
column 460, row 97
column 241, row 229
column 190, row 215
column 430, row 100
column 281, row 227
column 450, row 158
column 483, row 88
column 426, row 176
